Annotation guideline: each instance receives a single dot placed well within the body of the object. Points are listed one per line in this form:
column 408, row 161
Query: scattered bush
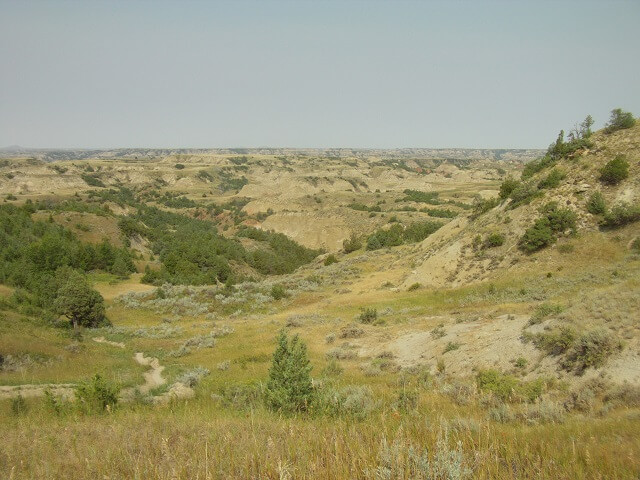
column 615, row 170
column 97, row 394
column 553, row 179
column 596, row 204
column 591, row 350
column 352, row 244
column 544, row 310
column 620, row 215
column 330, row 260
column 619, row 120
column 414, row 286
column 545, row 229
column 451, row 346
column 493, row 240
column 368, row 315
column 278, row 292
column 508, row 186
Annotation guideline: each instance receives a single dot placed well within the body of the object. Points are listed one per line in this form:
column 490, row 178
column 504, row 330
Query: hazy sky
column 312, row 74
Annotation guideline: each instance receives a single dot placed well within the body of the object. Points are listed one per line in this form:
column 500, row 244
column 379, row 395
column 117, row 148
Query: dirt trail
column 64, row 390
column 152, row 378
column 108, row 342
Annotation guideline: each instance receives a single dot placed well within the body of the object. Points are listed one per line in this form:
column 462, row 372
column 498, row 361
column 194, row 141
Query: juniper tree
column 289, row 387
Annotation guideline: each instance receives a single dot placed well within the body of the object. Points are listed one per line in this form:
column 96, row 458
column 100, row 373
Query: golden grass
column 198, row 439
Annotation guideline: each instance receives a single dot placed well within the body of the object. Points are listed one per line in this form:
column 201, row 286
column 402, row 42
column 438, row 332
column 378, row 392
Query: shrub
column 368, row 315
column 508, row 186
column 615, row 170
column 352, row 244
column 592, row 350
column 537, row 237
column 545, row 229
column 553, row 179
column 544, row 310
column 555, row 342
column 482, row 206
column 357, row 402
column 619, row 120
column 451, row 346
column 414, row 286
column 330, row 260
column 406, row 401
column 278, row 292
column 351, row 331
column 536, row 166
column 596, row 204
column 97, row 394
column 192, row 377
column 621, row 214
column 502, row 386
column 179, row 166
column 289, row 386
column 523, row 194
column 494, row 239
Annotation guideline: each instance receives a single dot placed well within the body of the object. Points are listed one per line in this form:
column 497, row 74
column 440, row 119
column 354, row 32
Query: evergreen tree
column 80, row 303
column 289, row 387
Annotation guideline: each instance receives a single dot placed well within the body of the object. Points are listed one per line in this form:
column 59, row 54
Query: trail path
column 152, row 378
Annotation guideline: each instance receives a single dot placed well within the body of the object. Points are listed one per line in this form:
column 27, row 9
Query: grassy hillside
column 500, row 342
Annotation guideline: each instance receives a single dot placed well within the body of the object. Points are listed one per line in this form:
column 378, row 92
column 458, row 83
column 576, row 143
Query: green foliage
column 364, row 208
column 545, row 230
column 414, row 286
column 31, row 254
column 501, row 385
column 482, row 206
column 555, row 342
column 283, row 255
column 615, row 170
column 621, row 214
column 80, row 303
column 352, row 243
column 531, row 168
column 92, row 180
column 493, row 240
column 289, row 387
column 330, row 260
column 553, row 179
column 421, row 197
column 591, row 350
column 619, row 120
column 508, row 388
column 596, row 204
column 179, row 166
column 537, row 237
column 439, row 212
column 508, row 186
column 97, row 395
column 544, row 310
column 368, row 315
column 278, row 292
column 523, row 194
column 451, row 346
column 397, row 234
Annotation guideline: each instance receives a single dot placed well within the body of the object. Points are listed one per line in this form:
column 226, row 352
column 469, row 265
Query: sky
column 322, row 74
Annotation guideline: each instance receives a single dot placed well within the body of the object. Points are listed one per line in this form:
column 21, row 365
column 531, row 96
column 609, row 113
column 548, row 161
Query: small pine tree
column 619, row 120
column 289, row 388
